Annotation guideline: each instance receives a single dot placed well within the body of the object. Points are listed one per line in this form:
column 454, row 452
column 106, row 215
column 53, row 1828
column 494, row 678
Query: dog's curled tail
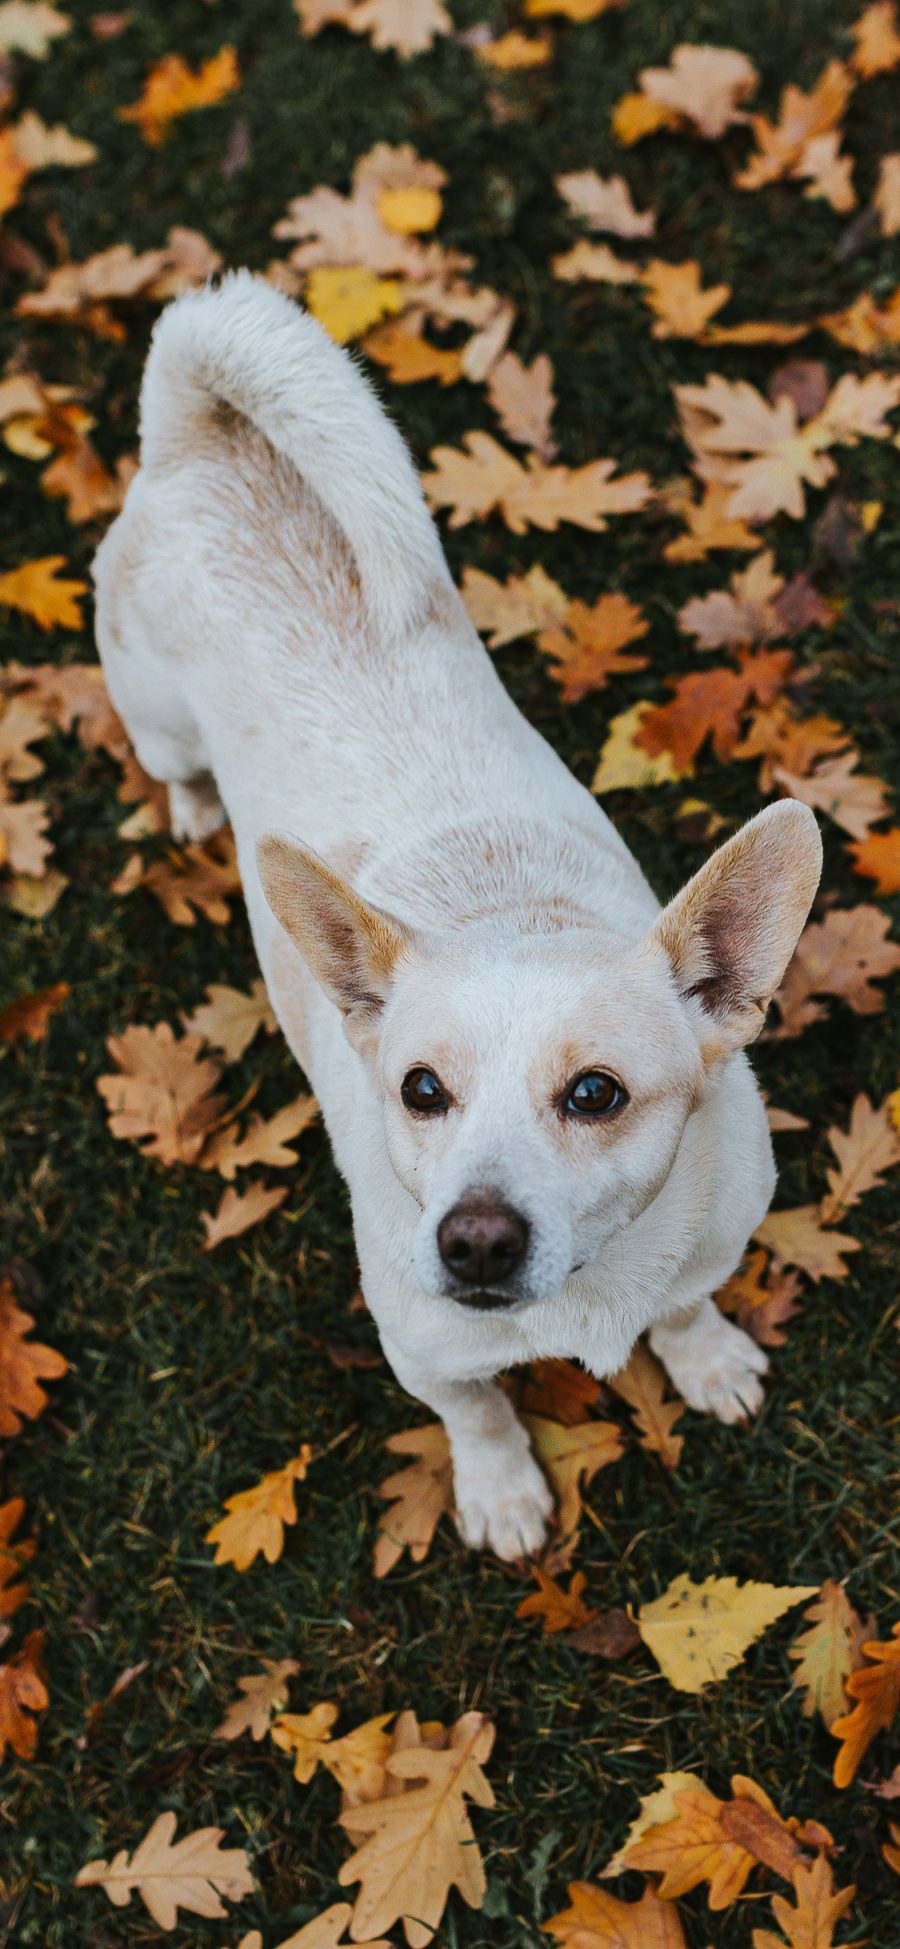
column 254, row 349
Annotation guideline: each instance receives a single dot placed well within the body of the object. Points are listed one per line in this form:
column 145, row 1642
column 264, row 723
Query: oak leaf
column 325, row 1931
column 23, row 1694
column 39, row 591
column 357, row 1760
column 876, row 41
column 758, row 447
column 596, row 1920
column 868, row 1148
column 409, row 358
column 559, row 1390
column 162, row 1098
column 558, row 1609
column 420, row 1495
column 83, row 291
column 852, row 799
column 305, row 1735
column 877, row 857
column 193, row 1873
column 264, row 1694
column 720, row 1842
column 523, row 399
column 586, row 648
column 743, row 614
column 404, row 26
column 780, row 145
column 811, row 1923
column 642, row 1384
column 827, row 1653
column 172, row 89
column 13, row 1558
column 711, row 704
column 842, row 955
column 681, row 307
column 24, row 1364
column 197, row 878
column 708, row 525
column 418, row 1843
column 698, row 1633
column 705, row 86
column 487, row 479
column 571, row 1457
column 656, row 1808
column 826, row 172
column 239, row 1211
column 29, row 26
column 797, row 1237
column 625, row 765
column 875, row 1691
column 329, row 229
column 578, row 10
column 256, row 1517
column 636, row 116
column 520, row 606
column 761, row 1297
column 605, row 203
column 266, row 1140
column 229, row 1020
column 40, row 147
column 22, row 843
column 31, row 1014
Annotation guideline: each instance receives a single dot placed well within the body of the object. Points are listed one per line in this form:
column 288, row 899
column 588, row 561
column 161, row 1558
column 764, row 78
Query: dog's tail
column 249, row 346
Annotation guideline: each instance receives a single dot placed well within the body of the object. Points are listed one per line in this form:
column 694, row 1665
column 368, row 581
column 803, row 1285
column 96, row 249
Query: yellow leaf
column 408, row 211
column 256, row 1519
column 191, row 1873
column 600, row 1921
column 347, row 300
column 172, row 89
column 49, row 600
column 306, row 1736
column 643, row 1385
column 721, row 1841
column 828, row 1652
column 624, row 765
column 577, row 10
column 571, row 1455
column 699, row 1632
column 797, row 1237
column 656, row 1809
column 514, row 51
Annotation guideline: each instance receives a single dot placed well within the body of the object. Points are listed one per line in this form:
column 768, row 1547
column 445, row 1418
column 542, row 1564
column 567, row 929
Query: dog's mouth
column 481, row 1300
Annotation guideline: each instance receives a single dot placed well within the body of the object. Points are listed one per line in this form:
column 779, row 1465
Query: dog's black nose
column 482, row 1241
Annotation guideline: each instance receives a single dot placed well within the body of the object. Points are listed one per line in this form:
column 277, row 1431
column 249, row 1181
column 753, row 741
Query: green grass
column 191, row 1375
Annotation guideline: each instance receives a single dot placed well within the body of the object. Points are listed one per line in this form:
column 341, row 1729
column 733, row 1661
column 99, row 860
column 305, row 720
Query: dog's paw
column 506, row 1510
column 195, row 811
column 718, row 1373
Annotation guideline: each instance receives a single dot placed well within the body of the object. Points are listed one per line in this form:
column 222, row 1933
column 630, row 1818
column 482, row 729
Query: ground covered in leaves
column 194, row 1372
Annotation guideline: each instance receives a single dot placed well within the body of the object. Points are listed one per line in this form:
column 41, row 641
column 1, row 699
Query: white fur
column 280, row 634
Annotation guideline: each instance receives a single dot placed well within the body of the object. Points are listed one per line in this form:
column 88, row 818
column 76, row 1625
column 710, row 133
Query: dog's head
column 535, row 1088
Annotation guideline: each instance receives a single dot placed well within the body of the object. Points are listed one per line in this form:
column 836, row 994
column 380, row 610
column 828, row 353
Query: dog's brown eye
column 422, row 1090
column 594, row 1095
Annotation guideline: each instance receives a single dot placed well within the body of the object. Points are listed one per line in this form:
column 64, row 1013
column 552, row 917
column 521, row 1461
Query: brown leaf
column 420, row 1495
column 23, row 1693
column 760, row 450
column 238, row 1211
column 487, row 479
column 229, row 1020
column 761, row 1298
column 558, row 1609
column 13, row 1558
column 797, row 1237
column 605, row 203
column 97, row 1711
column 263, row 1694
column 712, row 703
column 642, row 1384
column 719, row 1842
column 586, row 649
column 704, row 86
column 571, row 1457
column 611, row 1634
column 197, row 878
column 162, row 1098
column 742, row 615
column 22, row 842
column 193, row 1873
column 596, row 1920
column 854, row 801
column 708, row 526
column 868, row 1148
column 811, row 1924
column 24, row 1364
column 559, row 1390
column 265, row 1140
column 842, row 955
column 30, row 1015
column 523, row 399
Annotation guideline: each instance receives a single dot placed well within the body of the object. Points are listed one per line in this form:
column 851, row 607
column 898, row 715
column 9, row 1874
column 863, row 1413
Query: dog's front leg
column 502, row 1499
column 715, row 1366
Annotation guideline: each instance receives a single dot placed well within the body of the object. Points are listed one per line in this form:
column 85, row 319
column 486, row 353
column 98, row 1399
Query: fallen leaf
column 704, row 86
column 329, row 229
column 559, row 1390
column 404, row 27
column 357, row 1760
column 558, row 1609
column 868, row 1148
column 758, row 448
column 578, row 10
column 720, row 1842
column 571, row 1457
column 162, row 1098
column 891, row 1850
column 23, row 1690
column 22, row 842
column 306, row 1735
column 875, row 1690
column 30, row 1015
column 636, row 116
column 681, row 307
column 420, row 1495
column 797, row 1237
column 610, row 1634
column 852, row 799
column 877, row 857
column 520, row 606
column 229, row 1020
column 40, row 147
column 35, row 897
column 29, row 26
column 605, row 203
column 586, row 648
column 265, row 1140
column 827, row 1653
column 172, row 89
column 13, row 1557
column 596, row 1920
column 711, row 704
column 842, row 955
column 780, row 145
column 325, row 1931
column 410, row 359
column 192, row 1873
column 486, row 479
column 739, row 616
column 410, row 210
column 826, row 172
column 708, row 525
column 238, row 1211
column 596, row 262
column 811, row 1924
column 348, row 300
column 698, row 1633
column 761, row 1297
column 887, row 194
column 625, row 765
column 656, row 1808
column 642, row 1384
column 419, row 1843
column 876, row 41
column 523, row 399
column 256, row 1517
column 38, row 591
column 197, row 878
column 513, row 52
column 24, row 1364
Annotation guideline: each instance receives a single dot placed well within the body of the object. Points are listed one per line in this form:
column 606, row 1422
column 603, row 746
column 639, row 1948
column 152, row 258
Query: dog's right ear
column 351, row 947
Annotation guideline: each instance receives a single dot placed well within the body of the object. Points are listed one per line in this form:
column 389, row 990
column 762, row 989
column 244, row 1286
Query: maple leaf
column 586, row 649
column 38, row 591
column 811, row 1924
column 596, row 1920
column 172, row 89
column 192, row 1873
column 486, row 479
column 877, row 857
column 742, row 615
column 558, row 1390
column 31, row 1014
column 642, row 1384
column 828, row 1652
column 698, row 1633
column 571, row 1457
column 419, row 1842
column 198, row 878
column 264, row 1693
column 681, row 307
column 864, row 1152
column 523, row 399
column 23, row 1693
column 256, row 1517
column 780, row 145
column 761, row 1298
column 594, row 261
column 711, row 704
column 24, row 1364
column 841, row 955
column 876, row 40
column 875, row 1690
column 558, row 1609
column 708, row 525
column 605, row 203
column 523, row 604
column 22, row 845
column 238, row 1211
column 624, row 764
column 718, row 1841
column 162, row 1098
column 229, row 1020
column 29, row 26
column 13, row 1558
column 410, row 359
column 705, row 86
column 758, row 448
column 265, row 1140
column 798, row 1237
column 420, row 1495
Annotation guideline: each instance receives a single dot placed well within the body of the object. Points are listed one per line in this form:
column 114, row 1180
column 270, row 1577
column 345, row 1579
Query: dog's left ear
column 350, row 946
column 730, row 933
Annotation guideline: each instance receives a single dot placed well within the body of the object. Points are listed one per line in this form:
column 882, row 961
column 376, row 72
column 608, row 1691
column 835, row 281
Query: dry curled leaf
column 827, row 1653
column 256, row 1518
column 239, row 1211
column 419, row 1496
column 163, row 1095
column 643, row 1385
column 193, row 1873
column 24, row 1364
column 699, row 1632
column 263, row 1694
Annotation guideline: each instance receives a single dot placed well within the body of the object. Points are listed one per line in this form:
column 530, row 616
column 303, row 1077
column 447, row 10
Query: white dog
column 531, row 1076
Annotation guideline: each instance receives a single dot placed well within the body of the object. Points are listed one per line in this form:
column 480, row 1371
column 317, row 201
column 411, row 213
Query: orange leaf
column 13, row 1558
column 780, row 145
column 558, row 1390
column 162, row 1098
column 587, row 649
column 24, row 1364
column 420, row 1495
column 559, row 1610
column 681, row 307
column 643, row 1385
column 409, row 359
column 712, row 703
column 35, row 590
column 877, row 857
column 173, row 89
column 30, row 1014
column 761, row 1300
column 22, row 1693
column 812, row 1923
column 877, row 42
column 256, row 1520
column 597, row 1920
column 876, row 1691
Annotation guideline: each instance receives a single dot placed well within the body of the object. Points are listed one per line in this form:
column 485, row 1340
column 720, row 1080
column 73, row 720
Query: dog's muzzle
column 483, row 1242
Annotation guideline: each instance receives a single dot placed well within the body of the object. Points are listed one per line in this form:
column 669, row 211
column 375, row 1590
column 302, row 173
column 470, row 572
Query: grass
column 191, row 1375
